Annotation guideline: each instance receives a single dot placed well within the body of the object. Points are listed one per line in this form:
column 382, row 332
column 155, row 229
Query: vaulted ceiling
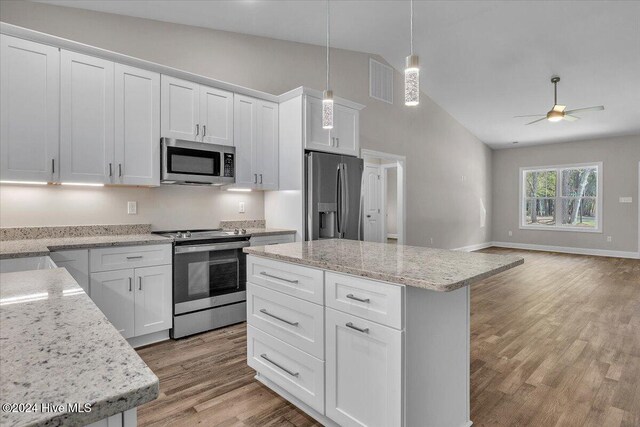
column 482, row 61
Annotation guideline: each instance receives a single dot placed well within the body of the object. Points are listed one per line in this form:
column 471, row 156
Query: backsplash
column 246, row 223
column 20, row 233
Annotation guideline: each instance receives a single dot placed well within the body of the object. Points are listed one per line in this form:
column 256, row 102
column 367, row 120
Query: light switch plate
column 241, row 207
column 132, row 208
column 626, row 199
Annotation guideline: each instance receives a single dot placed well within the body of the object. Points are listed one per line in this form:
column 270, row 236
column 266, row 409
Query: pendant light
column 327, row 96
column 412, row 74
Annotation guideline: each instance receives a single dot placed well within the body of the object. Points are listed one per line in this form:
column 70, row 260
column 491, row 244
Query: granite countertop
column 57, row 347
column 265, row 231
column 428, row 268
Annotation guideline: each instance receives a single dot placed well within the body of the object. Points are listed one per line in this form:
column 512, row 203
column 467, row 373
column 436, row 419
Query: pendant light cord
column 328, row 30
column 411, row 2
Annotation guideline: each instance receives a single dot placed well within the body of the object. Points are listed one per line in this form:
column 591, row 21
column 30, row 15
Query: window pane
column 579, row 182
column 540, row 212
column 579, row 212
column 540, row 184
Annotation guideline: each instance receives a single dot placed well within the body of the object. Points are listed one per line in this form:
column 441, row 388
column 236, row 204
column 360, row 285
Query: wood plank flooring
column 555, row 342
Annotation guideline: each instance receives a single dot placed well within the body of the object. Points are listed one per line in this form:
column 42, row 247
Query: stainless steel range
column 209, row 280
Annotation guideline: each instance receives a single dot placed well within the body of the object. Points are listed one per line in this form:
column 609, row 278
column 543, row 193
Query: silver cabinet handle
column 264, row 273
column 204, row 130
column 129, row 284
column 197, row 130
column 260, row 178
column 293, row 374
column 353, row 297
column 53, row 165
column 110, row 169
column 333, row 141
column 135, row 257
column 255, row 178
column 139, row 283
column 337, row 142
column 264, row 311
column 120, row 170
column 352, row 326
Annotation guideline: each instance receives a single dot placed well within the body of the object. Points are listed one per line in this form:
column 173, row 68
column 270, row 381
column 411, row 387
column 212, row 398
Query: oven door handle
column 210, row 247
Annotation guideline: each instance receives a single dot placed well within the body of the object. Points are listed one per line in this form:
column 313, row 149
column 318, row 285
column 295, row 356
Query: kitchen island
column 366, row 334
column 58, row 353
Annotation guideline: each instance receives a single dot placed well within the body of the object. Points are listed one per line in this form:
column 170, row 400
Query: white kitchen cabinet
column 30, row 108
column 137, row 126
column 363, row 371
column 112, row 291
column 342, row 139
column 153, row 299
column 256, row 141
column 180, row 109
column 196, row 112
column 76, row 261
column 86, row 119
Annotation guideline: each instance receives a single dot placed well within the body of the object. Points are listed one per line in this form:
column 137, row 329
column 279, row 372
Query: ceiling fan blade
column 584, row 110
column 531, row 115
column 559, row 107
column 570, row 118
column 536, row 121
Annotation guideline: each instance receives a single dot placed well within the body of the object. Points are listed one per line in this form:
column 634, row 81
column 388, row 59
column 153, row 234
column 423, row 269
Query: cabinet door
column 216, row 115
column 76, row 261
column 245, row 113
column 86, row 119
column 153, row 299
column 112, row 291
column 315, row 138
column 30, row 106
column 180, row 109
column 345, row 134
column 364, row 371
column 137, row 126
column 267, row 145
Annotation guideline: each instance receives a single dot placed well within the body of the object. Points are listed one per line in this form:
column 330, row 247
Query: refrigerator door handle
column 345, row 202
column 339, row 201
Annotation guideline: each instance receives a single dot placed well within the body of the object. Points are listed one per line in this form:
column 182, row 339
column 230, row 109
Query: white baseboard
column 475, row 247
column 392, row 236
column 567, row 250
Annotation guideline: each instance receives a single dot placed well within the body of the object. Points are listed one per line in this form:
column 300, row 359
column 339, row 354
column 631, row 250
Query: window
column 561, row 197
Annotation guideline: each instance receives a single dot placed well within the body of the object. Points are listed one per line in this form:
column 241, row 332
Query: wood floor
column 555, row 342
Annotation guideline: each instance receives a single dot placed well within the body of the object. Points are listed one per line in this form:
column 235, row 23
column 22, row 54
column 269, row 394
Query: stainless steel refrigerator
column 333, row 196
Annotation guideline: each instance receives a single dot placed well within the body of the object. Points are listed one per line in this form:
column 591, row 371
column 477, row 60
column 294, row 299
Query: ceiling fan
column 558, row 113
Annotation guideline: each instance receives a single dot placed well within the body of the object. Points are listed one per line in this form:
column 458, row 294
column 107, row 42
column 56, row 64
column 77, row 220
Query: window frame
column 522, row 201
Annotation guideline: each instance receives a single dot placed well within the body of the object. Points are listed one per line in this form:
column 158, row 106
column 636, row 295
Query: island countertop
column 428, row 268
column 57, row 347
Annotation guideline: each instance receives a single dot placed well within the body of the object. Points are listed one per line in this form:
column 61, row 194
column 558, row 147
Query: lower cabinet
column 363, row 371
column 152, row 299
column 112, row 291
column 76, row 261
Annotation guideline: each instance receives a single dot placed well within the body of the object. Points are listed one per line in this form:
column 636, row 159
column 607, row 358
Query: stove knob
column 236, row 231
column 243, row 231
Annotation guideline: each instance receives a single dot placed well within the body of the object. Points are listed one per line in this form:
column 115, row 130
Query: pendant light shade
column 327, row 96
column 412, row 74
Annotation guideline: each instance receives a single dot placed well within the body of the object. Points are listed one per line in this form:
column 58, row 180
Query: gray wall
column 620, row 157
column 441, row 204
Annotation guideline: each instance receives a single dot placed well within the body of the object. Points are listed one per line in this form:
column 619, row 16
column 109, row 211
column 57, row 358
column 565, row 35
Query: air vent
column 380, row 81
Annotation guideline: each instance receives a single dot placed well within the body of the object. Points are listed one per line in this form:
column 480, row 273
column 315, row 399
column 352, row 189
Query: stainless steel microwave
column 196, row 163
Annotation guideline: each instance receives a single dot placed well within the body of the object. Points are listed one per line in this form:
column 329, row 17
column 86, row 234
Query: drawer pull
column 135, row 257
column 351, row 296
column 264, row 273
column 352, row 326
column 293, row 374
column 262, row 310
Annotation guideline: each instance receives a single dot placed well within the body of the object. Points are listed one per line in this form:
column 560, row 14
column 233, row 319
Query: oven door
column 208, row 275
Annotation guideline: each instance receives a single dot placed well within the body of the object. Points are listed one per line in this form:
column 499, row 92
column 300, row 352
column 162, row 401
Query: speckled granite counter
column 428, row 268
column 57, row 347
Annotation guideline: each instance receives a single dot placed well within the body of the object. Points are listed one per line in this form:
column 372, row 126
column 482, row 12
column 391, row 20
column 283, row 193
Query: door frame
column 381, row 200
column 400, row 162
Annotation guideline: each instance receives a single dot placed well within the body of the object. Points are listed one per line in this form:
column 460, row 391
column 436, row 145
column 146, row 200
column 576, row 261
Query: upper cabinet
column 30, row 108
column 256, row 141
column 137, row 126
column 344, row 138
column 86, row 119
column 195, row 112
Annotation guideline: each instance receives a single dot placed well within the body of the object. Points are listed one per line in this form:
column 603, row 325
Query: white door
column 245, row 124
column 30, row 106
column 86, row 119
column 267, row 145
column 345, row 130
column 153, row 299
column 216, row 115
column 372, row 204
column 316, row 138
column 112, row 292
column 363, row 371
column 180, row 109
column 137, row 126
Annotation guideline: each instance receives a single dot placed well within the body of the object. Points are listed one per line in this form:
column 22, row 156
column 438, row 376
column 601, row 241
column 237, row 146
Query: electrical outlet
column 132, row 208
column 510, row 233
column 609, row 239
column 241, row 207
column 431, row 241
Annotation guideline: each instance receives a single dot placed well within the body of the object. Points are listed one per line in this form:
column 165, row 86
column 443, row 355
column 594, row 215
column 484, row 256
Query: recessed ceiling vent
column 380, row 81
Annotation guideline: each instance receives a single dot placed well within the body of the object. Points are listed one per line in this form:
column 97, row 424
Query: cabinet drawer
column 116, row 258
column 294, row 321
column 291, row 279
column 371, row 300
column 295, row 371
column 272, row 240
